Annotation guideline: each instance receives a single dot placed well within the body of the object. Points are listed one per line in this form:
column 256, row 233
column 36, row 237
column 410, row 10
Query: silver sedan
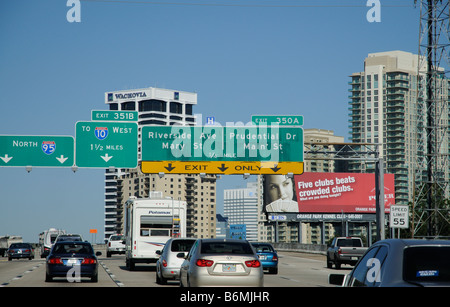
column 216, row 262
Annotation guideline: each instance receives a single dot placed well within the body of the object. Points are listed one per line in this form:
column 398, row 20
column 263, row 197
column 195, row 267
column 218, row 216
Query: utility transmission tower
column 432, row 165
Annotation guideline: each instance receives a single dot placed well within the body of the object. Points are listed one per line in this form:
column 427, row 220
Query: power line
column 239, row 4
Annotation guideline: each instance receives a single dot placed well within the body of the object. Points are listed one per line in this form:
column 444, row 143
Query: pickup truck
column 345, row 250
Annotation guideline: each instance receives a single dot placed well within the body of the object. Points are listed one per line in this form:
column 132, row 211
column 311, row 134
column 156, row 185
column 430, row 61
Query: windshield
column 226, row 248
column 427, row 263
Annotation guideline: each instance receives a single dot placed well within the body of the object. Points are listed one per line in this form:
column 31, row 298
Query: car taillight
column 274, row 258
column 204, row 263
column 339, row 251
column 164, row 263
column 88, row 261
column 55, row 261
column 253, row 263
column 109, row 244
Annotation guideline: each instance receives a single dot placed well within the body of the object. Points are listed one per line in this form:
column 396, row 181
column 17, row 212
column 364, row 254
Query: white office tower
column 156, row 106
column 241, row 208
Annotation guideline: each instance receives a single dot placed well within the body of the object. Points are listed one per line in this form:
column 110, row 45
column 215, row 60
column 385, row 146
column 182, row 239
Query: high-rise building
column 386, row 108
column 157, row 106
column 240, row 206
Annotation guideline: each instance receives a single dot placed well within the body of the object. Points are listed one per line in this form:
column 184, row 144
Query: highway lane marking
column 17, row 277
column 111, row 275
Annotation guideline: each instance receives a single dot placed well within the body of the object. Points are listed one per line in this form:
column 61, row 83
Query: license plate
column 228, row 268
column 354, row 258
column 262, row 257
column 71, row 261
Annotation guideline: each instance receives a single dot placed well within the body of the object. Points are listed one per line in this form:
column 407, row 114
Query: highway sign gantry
column 106, row 144
column 36, row 150
column 216, row 143
column 222, row 150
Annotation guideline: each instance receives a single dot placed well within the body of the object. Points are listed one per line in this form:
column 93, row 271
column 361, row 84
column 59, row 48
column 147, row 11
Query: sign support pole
column 379, row 200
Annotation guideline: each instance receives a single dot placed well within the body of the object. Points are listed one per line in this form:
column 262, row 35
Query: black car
column 20, row 250
column 72, row 260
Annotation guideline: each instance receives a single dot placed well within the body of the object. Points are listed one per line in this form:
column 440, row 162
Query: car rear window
column 19, row 245
column 349, row 243
column 427, row 264
column 181, row 245
column 226, row 248
column 72, row 249
column 263, row 248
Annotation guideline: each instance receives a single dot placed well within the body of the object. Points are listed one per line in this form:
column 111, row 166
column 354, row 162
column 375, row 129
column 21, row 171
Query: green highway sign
column 217, row 143
column 106, row 144
column 33, row 150
column 115, row 116
column 282, row 120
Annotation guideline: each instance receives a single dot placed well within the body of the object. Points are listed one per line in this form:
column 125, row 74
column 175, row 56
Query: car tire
column 48, row 278
column 329, row 263
column 94, row 278
column 129, row 264
column 273, row 270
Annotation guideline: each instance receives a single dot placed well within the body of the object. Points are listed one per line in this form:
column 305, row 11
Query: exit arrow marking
column 6, row 158
column 106, row 157
column 223, row 168
column 275, row 168
column 61, row 159
column 169, row 168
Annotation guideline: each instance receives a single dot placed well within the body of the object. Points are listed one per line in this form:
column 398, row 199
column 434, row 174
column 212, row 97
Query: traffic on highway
column 220, row 262
column 294, row 270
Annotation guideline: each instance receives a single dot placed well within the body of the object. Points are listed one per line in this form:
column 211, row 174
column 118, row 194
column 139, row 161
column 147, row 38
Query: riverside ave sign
column 253, row 149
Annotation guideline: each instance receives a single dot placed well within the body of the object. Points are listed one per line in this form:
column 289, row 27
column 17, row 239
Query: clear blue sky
column 242, row 57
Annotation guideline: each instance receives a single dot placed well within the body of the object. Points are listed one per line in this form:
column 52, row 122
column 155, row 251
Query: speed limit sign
column 399, row 216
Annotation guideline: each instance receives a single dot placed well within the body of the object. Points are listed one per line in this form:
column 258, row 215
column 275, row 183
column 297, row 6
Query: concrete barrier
column 301, row 247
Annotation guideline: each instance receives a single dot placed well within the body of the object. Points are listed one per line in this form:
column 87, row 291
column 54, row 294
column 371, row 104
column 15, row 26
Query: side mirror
column 98, row 253
column 336, row 279
column 158, row 252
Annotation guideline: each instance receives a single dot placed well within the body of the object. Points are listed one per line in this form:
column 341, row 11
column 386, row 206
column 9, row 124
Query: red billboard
column 325, row 192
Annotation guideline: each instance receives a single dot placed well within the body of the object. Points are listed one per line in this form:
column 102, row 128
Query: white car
column 115, row 245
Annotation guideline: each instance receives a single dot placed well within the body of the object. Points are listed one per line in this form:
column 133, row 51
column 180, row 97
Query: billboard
column 325, row 192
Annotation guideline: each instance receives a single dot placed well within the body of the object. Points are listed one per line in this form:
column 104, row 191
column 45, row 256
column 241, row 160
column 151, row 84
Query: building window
column 152, row 105
column 176, row 108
